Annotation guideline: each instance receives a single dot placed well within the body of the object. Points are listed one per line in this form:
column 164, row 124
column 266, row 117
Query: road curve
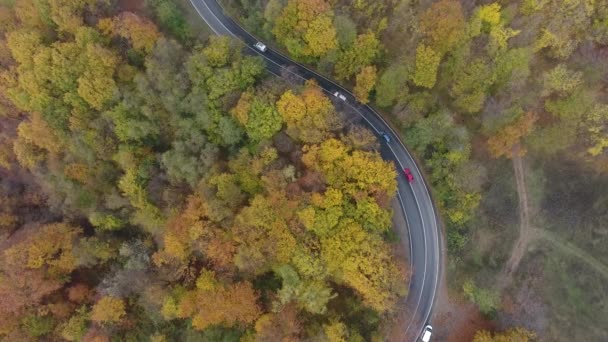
column 414, row 198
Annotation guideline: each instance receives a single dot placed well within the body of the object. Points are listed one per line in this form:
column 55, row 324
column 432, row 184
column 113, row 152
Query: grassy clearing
column 575, row 207
column 576, row 295
column 570, row 250
column 566, row 263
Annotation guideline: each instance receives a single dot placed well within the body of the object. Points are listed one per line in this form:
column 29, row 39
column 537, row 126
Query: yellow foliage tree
column 306, row 28
column 49, row 250
column 348, row 171
column 364, row 262
column 262, row 233
column 511, row 335
column 309, row 116
column 366, row 81
column 336, row 331
column 427, row 63
column 596, row 124
column 108, row 310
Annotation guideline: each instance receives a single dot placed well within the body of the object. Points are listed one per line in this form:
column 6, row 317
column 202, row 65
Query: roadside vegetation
column 480, row 90
column 158, row 185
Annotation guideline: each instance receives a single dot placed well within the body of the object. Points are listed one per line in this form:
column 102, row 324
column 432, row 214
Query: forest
column 488, row 95
column 158, row 185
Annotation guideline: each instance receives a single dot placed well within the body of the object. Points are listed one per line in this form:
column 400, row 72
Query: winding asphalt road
column 422, row 232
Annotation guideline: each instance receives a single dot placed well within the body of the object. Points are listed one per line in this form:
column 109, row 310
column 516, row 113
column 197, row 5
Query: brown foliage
column 443, row 24
column 20, row 288
column 192, row 230
column 79, row 293
column 283, row 326
column 94, row 334
column 35, row 265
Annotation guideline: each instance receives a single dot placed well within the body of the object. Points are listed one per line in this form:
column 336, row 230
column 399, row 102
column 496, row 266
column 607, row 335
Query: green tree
column 487, row 300
column 191, row 155
column 38, row 326
column 76, row 327
column 264, row 238
column 218, row 51
column 171, row 18
column 362, row 53
column 336, row 331
column 346, row 30
column 259, row 116
column 311, row 295
column 392, row 85
column 561, row 81
column 471, row 86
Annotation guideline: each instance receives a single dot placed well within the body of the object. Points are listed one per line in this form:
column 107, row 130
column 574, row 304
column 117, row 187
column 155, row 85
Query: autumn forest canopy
column 474, row 86
column 157, row 186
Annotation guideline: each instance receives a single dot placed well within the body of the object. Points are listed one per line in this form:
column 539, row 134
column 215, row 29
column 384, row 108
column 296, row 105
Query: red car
column 408, row 175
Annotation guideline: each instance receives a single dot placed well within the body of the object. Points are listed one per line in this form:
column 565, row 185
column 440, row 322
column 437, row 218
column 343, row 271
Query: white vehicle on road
column 426, row 333
column 260, row 46
column 340, row 96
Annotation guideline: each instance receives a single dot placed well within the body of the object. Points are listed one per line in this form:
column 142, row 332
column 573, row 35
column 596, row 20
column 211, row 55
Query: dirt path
column 525, row 232
column 568, row 248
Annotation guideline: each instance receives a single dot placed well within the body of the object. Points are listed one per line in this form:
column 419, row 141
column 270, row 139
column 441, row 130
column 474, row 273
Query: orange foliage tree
column 192, row 230
column 502, row 143
column 140, row 32
column 36, row 265
column 281, row 326
column 444, row 25
column 215, row 303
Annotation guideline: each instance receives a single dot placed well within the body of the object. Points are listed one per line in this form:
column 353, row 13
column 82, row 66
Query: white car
column 340, row 96
column 426, row 333
column 260, row 46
